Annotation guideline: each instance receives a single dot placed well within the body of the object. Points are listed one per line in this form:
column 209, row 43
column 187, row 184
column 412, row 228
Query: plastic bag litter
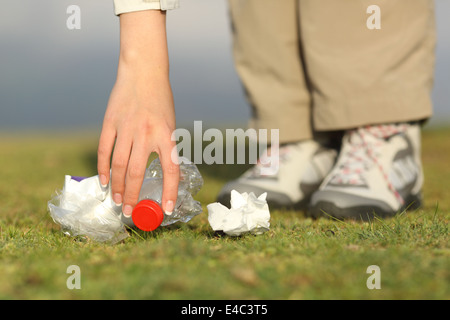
column 84, row 208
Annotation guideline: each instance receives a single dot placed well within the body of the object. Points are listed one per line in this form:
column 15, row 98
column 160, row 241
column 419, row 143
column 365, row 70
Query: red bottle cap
column 147, row 215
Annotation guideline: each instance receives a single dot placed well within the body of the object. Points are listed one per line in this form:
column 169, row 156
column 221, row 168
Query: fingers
column 105, row 147
column 171, row 173
column 128, row 165
column 119, row 168
column 135, row 176
column 128, row 169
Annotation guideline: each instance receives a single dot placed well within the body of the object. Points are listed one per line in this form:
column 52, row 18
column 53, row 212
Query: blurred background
column 52, row 78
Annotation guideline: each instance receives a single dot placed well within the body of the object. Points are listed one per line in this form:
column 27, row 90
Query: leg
column 359, row 78
column 268, row 60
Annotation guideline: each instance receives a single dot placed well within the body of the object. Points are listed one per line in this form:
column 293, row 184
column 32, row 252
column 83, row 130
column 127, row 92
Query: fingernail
column 127, row 210
column 117, row 199
column 103, row 181
column 169, row 208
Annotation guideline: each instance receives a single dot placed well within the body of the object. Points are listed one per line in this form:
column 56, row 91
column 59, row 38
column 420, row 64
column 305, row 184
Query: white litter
column 248, row 214
column 85, row 208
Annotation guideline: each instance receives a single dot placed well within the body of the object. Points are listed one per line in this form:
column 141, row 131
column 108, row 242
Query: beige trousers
column 318, row 65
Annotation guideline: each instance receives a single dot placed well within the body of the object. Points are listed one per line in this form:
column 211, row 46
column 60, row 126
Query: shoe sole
column 364, row 213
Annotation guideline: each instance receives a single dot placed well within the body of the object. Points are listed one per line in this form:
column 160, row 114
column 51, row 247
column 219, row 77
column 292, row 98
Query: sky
column 53, row 77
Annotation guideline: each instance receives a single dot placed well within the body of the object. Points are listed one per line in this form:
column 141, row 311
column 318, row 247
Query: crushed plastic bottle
column 148, row 215
column 85, row 208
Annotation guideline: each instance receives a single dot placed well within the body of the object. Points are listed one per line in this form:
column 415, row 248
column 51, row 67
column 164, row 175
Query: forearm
column 143, row 45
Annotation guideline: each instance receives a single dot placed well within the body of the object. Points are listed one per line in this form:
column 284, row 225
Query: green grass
column 298, row 258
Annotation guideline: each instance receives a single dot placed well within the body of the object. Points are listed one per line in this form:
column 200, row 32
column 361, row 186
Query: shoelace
column 364, row 152
column 266, row 157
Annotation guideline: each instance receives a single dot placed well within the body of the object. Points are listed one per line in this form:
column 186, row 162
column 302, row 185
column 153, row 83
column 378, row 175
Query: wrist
column 136, row 66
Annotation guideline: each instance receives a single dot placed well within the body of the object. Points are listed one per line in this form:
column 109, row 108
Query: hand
column 140, row 116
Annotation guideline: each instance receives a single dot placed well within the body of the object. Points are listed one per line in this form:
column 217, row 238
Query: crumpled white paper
column 248, row 213
column 85, row 208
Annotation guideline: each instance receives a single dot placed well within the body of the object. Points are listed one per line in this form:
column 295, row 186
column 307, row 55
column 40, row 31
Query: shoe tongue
column 375, row 133
column 385, row 131
column 273, row 158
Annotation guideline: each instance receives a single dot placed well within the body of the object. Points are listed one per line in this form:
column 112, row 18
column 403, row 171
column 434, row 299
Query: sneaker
column 302, row 168
column 378, row 173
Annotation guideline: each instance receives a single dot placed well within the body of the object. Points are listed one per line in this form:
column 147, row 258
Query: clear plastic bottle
column 148, row 214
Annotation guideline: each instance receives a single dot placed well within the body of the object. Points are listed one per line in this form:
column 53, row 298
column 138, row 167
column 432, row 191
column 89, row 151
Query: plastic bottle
column 148, row 214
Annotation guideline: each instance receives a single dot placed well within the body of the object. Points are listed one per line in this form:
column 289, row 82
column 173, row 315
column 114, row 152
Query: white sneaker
column 378, row 173
column 302, row 168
